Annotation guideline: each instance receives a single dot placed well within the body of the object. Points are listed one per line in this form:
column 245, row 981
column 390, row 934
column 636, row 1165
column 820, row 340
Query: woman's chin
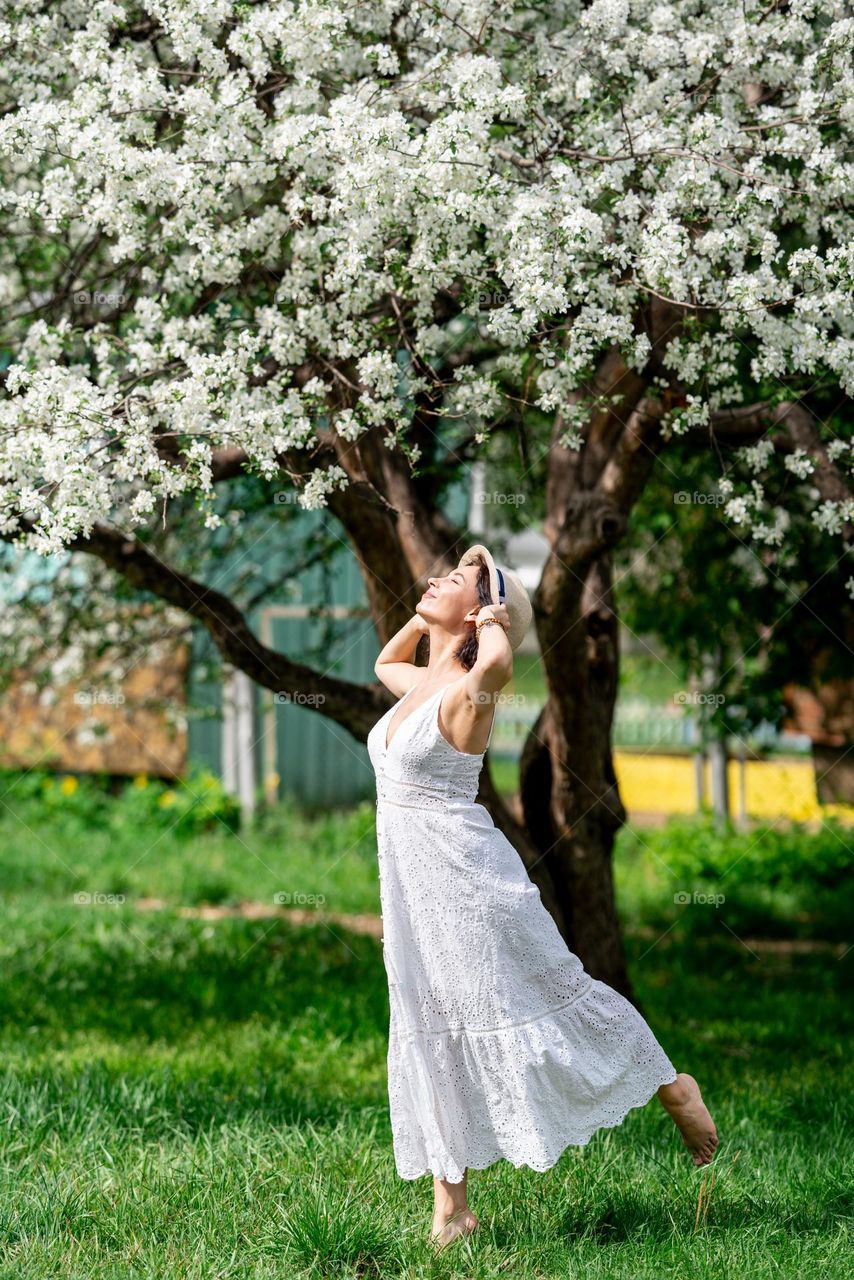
column 428, row 614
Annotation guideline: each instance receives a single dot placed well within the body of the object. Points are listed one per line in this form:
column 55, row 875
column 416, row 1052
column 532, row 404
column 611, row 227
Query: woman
column 501, row 1045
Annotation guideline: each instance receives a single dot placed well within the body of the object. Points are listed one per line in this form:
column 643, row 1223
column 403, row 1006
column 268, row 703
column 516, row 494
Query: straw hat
column 506, row 588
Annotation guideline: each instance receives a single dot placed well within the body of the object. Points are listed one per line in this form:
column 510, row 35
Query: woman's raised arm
column 395, row 666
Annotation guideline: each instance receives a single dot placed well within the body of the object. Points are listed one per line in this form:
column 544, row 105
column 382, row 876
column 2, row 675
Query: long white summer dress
column 501, row 1045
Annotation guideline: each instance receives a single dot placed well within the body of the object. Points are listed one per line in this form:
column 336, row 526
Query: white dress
column 501, row 1045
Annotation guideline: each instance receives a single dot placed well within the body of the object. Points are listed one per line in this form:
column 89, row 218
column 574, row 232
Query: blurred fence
column 662, row 770
column 642, row 726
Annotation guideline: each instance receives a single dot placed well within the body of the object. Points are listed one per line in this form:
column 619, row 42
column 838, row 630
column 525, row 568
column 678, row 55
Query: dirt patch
column 367, row 924
column 771, row 946
column 372, row 925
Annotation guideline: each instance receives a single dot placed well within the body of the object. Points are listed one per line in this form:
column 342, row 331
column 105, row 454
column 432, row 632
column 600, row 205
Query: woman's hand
column 496, row 611
column 402, row 646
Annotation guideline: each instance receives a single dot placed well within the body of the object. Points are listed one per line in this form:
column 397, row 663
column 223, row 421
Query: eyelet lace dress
column 501, row 1045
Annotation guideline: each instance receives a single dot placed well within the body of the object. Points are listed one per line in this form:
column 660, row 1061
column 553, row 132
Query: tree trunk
column 569, row 788
column 826, row 715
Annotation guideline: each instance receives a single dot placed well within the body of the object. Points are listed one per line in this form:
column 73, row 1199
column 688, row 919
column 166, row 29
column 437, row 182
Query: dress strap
column 492, row 726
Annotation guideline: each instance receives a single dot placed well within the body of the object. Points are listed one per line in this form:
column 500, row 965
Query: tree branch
column 355, row 707
column 788, row 426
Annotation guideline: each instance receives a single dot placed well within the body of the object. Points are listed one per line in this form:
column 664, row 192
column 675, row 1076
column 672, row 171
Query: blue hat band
column 500, row 585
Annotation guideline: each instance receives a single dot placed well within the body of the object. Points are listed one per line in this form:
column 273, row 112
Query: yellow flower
column 168, row 798
column 141, row 780
column 68, row 785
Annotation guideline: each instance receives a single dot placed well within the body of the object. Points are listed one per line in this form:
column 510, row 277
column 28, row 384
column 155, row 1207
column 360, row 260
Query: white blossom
column 308, row 213
column 322, row 482
column 800, row 463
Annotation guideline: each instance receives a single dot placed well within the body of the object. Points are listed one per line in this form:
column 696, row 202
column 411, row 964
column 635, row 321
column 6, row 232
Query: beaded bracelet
column 487, row 622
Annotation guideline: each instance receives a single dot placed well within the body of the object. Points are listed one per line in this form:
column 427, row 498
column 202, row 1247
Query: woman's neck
column 442, row 664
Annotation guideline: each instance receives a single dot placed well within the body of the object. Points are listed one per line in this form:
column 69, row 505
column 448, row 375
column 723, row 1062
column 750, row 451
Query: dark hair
column 467, row 652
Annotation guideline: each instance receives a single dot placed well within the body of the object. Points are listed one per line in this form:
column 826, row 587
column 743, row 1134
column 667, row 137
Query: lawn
column 192, row 1098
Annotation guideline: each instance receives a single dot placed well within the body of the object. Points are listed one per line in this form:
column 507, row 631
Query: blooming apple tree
column 323, row 242
column 204, row 202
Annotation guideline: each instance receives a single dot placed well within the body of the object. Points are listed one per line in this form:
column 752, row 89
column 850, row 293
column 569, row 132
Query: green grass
column 182, row 1098
column 327, row 861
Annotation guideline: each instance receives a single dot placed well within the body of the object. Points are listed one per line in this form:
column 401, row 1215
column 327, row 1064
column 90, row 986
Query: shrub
column 189, row 805
column 786, row 857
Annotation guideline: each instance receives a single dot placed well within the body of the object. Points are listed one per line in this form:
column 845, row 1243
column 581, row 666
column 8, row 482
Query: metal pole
column 717, row 749
column 697, row 720
column 245, row 739
column 228, row 745
column 477, row 506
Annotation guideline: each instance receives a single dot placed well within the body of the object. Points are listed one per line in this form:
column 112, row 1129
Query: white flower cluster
column 474, row 397
column 61, row 621
column 202, row 198
column 695, row 413
column 322, row 481
column 800, row 463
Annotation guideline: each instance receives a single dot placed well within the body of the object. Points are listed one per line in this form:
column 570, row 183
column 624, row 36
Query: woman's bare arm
column 395, row 665
column 469, row 708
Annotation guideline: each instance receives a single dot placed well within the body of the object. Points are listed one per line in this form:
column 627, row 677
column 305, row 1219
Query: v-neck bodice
column 387, row 745
column 423, row 763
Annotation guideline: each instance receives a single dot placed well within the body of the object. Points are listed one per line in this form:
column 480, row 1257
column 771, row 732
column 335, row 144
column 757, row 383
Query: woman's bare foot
column 684, row 1103
column 443, row 1231
column 452, row 1216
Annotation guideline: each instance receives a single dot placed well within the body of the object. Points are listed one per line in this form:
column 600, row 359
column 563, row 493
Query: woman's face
column 450, row 600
